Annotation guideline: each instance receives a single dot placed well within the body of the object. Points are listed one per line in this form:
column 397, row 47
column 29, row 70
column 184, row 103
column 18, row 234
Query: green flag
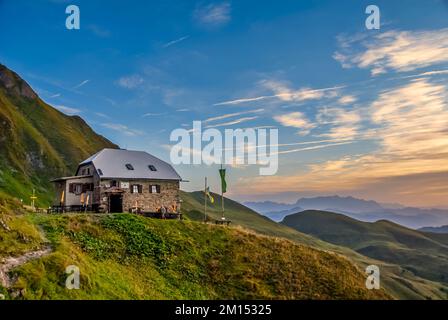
column 222, row 173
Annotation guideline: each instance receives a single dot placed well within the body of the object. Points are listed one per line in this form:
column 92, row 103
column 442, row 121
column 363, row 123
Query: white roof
column 112, row 164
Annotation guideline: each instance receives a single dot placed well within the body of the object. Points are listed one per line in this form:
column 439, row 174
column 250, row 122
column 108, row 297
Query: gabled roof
column 112, row 164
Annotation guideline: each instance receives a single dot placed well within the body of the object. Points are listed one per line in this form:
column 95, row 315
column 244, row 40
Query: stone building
column 116, row 180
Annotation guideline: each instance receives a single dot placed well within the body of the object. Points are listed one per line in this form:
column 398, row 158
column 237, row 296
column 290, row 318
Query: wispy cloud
column 123, row 129
column 348, row 99
column 427, row 74
column 83, row 83
column 394, row 50
column 296, row 120
column 183, row 110
column 321, row 146
column 284, row 93
column 213, row 15
column 410, row 130
column 243, row 100
column 231, row 115
column 169, row 44
column 150, row 114
column 102, row 115
column 345, row 124
column 57, row 95
column 68, row 110
column 130, row 82
column 231, row 123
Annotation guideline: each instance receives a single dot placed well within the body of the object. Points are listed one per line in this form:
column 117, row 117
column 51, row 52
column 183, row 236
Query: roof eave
column 71, row 178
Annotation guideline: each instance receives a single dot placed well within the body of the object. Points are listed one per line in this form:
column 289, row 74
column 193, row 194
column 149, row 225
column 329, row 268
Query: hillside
column 125, row 256
column 193, row 208
column 38, row 142
column 399, row 282
column 423, row 254
column 121, row 260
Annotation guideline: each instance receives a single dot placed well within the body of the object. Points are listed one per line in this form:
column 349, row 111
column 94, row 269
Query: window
column 100, row 172
column 154, row 188
column 129, row 166
column 114, row 183
column 136, row 188
column 88, row 171
column 152, row 168
column 77, row 188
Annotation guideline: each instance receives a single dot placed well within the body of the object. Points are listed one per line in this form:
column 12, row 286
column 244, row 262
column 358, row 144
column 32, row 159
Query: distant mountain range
column 364, row 210
column 442, row 229
column 424, row 254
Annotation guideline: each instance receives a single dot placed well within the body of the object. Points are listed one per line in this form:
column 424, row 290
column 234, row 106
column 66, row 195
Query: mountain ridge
column 38, row 142
column 360, row 209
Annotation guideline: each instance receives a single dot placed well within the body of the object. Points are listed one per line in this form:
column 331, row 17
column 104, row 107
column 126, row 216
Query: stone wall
column 149, row 202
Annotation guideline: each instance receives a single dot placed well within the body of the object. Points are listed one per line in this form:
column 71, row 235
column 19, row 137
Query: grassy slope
column 37, row 142
column 383, row 240
column 193, row 208
column 399, row 282
column 116, row 266
column 128, row 257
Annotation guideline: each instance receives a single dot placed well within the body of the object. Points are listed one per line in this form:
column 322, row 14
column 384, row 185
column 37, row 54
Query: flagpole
column 222, row 200
column 205, row 200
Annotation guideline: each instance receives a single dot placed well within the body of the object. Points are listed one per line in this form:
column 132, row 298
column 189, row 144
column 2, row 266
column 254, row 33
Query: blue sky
column 341, row 95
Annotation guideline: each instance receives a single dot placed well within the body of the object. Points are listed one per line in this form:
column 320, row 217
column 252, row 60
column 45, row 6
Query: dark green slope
column 38, row 142
column 423, row 254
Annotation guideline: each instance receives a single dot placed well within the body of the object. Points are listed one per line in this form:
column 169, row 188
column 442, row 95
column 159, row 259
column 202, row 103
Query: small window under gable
column 152, row 168
column 129, row 166
column 100, row 172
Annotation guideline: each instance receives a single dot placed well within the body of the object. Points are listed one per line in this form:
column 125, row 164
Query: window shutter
column 140, row 188
column 132, row 188
column 70, row 188
column 158, row 188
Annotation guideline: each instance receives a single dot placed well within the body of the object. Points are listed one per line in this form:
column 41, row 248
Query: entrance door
column 116, row 203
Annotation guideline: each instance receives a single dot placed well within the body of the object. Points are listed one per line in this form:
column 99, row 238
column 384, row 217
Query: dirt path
column 7, row 264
